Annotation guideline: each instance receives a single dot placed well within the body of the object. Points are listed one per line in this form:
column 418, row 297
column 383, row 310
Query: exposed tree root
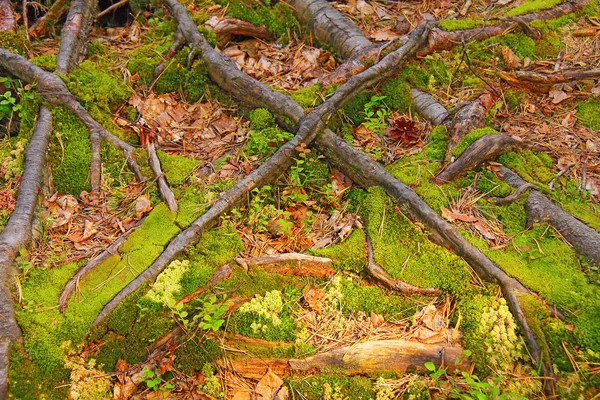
column 382, row 276
column 330, row 26
column 53, row 90
column 584, row 239
column 17, row 232
column 165, row 191
column 515, row 196
column 542, row 83
column 372, row 357
column 483, row 149
column 73, row 282
column 223, row 71
column 43, row 24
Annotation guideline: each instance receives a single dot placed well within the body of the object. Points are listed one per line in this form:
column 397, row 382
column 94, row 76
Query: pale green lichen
column 167, row 284
column 268, row 307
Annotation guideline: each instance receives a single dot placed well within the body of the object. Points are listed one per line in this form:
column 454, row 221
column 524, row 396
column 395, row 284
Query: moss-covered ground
column 271, row 310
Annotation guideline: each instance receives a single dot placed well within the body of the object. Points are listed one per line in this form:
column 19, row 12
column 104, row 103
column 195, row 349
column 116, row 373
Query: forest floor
column 227, row 324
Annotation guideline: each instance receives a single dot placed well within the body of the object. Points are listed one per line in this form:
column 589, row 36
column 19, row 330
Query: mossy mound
column 531, row 6
column 278, row 19
column 533, row 167
column 588, row 113
column 15, row 42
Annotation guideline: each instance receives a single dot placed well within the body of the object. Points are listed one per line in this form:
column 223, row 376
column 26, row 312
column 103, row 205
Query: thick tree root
column 382, row 276
column 483, row 149
column 53, row 90
column 584, row 239
column 542, row 83
column 223, row 70
column 330, row 26
column 17, row 232
column 8, row 22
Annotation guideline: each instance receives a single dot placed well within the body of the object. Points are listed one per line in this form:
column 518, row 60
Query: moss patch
column 589, row 114
column 531, row 6
column 176, row 168
column 470, row 138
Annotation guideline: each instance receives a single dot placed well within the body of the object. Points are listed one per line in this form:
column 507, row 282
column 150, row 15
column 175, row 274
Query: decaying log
column 372, row 357
column 52, row 89
column 483, row 149
column 43, row 24
column 73, row 282
column 382, row 276
column 17, row 232
column 428, row 107
column 295, row 264
column 223, row 71
column 165, row 191
column 320, row 17
column 8, row 22
column 585, row 240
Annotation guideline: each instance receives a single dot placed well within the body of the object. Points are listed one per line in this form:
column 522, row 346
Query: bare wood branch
column 43, row 24
column 165, row 191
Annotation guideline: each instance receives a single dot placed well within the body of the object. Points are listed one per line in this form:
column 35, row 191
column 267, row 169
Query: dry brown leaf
column 485, row 232
column 241, row 396
column 450, row 216
column 376, row 319
column 268, row 386
column 557, row 94
column 384, row 36
column 314, row 298
column 142, row 205
column 510, row 59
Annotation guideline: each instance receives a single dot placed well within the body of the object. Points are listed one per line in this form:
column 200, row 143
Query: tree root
column 43, row 24
column 584, row 239
column 53, row 90
column 229, row 27
column 542, row 83
column 295, row 264
column 483, row 149
column 17, row 232
column 8, row 22
column 223, row 71
column 382, row 276
column 165, row 191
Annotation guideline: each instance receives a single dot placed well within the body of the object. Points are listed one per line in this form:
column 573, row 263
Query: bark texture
column 584, row 239
column 321, row 17
column 8, row 22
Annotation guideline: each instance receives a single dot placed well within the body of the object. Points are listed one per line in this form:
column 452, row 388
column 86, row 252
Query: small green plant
column 376, row 114
column 154, row 381
column 212, row 312
column 8, row 103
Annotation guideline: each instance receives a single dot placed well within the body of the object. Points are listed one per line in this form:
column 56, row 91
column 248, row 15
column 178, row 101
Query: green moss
column 375, row 299
column 470, row 138
column 266, row 141
column 70, row 153
column 279, row 20
column 92, row 84
column 355, row 107
column 460, row 24
column 46, row 62
column 529, row 165
column 195, row 353
column 531, row 6
column 405, row 253
column 196, row 80
column 438, row 142
column 308, row 97
column 192, row 202
column 176, row 168
column 261, row 118
column 332, row 386
column 489, row 184
column 15, row 42
column 397, row 94
column 348, row 255
column 156, row 230
column 588, row 113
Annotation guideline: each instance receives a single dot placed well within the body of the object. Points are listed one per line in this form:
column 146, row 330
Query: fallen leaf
column 557, row 95
column 268, row 386
column 314, row 298
column 450, row 216
column 142, row 205
column 485, row 232
column 376, row 319
column 383, row 36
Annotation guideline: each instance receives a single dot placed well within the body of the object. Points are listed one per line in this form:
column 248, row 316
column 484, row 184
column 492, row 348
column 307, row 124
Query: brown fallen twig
column 165, row 191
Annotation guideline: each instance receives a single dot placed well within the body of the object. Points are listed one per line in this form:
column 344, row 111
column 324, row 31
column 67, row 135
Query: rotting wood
column 229, row 27
column 377, row 356
column 585, row 240
column 165, row 191
column 17, row 231
column 296, row 264
column 43, row 24
column 384, row 277
column 223, row 71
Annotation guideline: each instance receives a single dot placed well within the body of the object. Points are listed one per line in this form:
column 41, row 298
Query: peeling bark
column 584, row 239
column 372, row 357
